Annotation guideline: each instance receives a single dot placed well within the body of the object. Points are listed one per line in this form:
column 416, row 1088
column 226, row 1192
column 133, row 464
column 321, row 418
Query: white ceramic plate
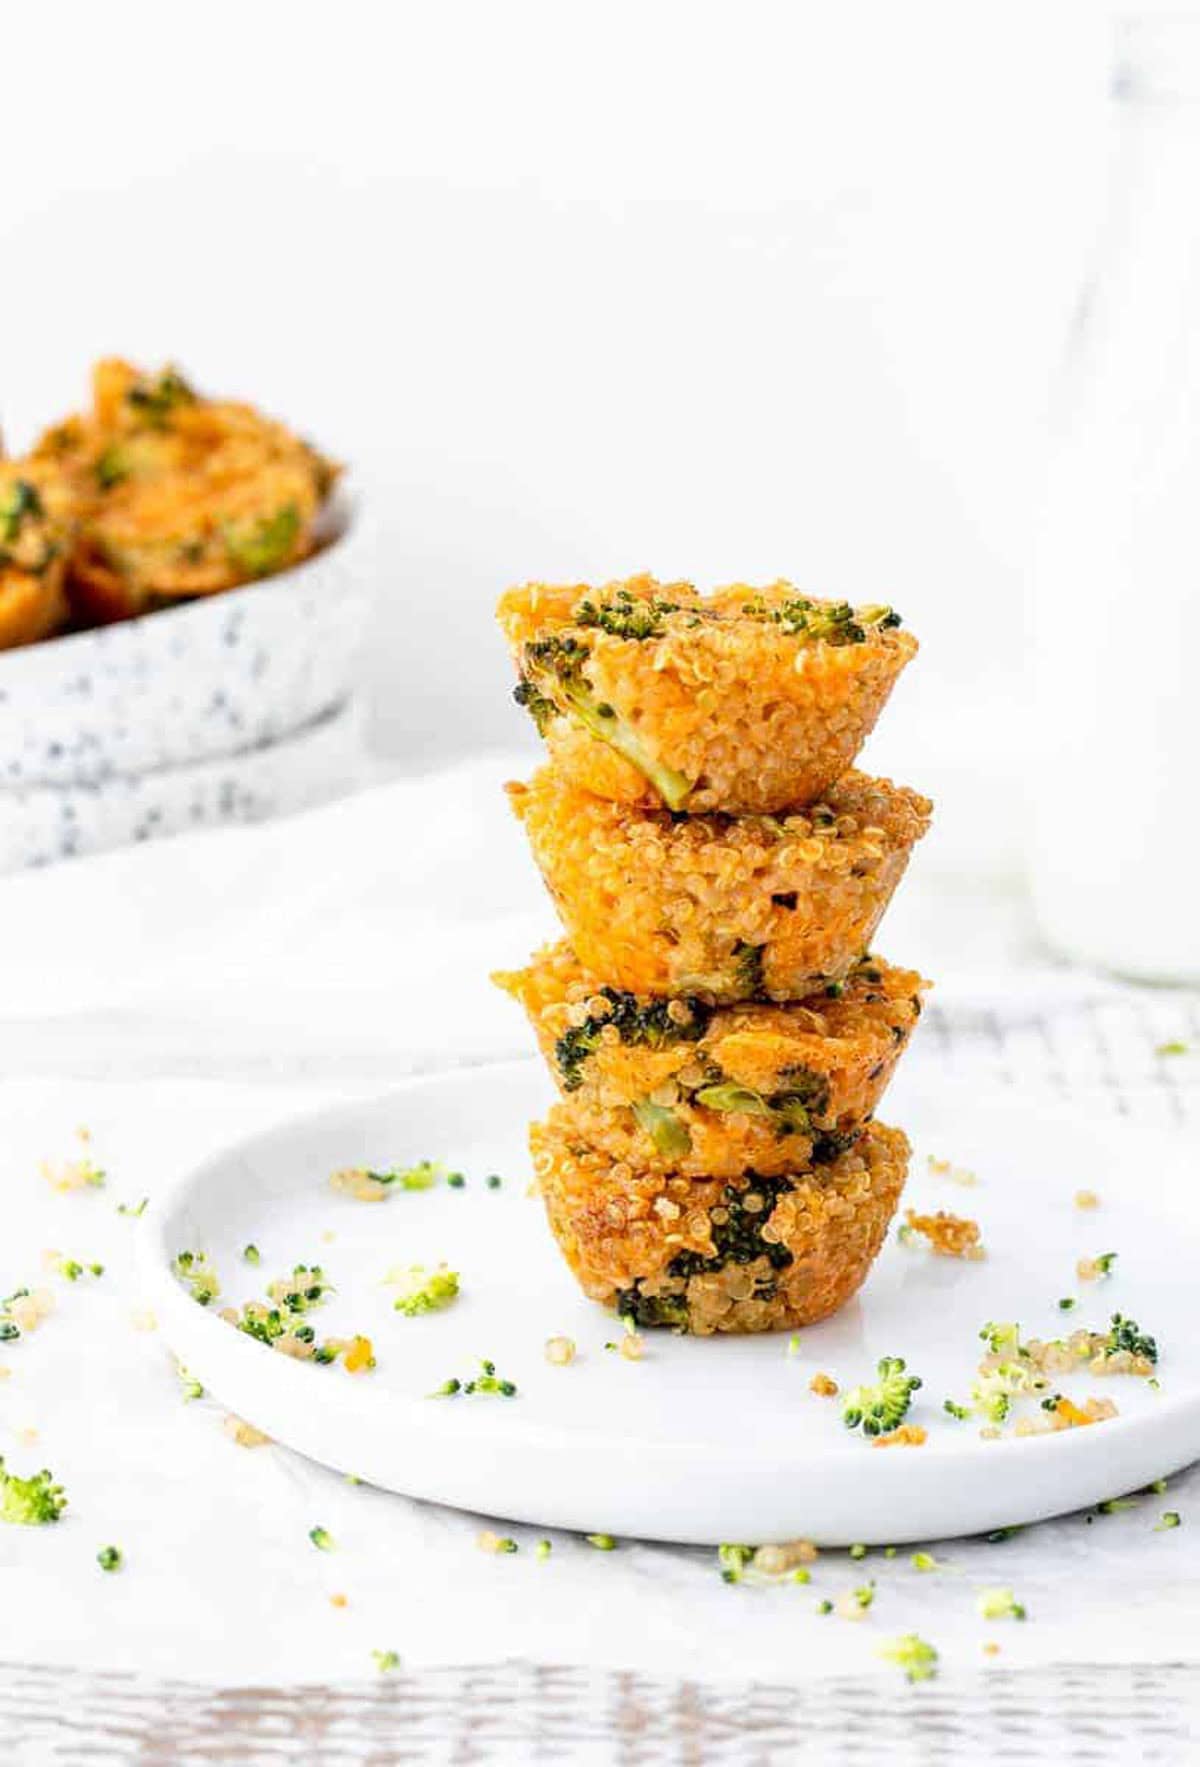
column 705, row 1439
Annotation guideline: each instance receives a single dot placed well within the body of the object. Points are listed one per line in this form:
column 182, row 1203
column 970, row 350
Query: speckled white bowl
column 211, row 678
column 40, row 824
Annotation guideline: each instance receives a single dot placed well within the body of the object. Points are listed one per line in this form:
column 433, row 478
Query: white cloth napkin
column 174, row 997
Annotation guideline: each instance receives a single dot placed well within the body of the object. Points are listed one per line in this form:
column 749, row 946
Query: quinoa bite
column 747, row 700
column 679, row 1086
column 747, row 1254
column 37, row 523
column 181, row 495
column 728, row 908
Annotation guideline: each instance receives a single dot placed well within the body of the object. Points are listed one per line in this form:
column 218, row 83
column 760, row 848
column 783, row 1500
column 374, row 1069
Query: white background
column 737, row 291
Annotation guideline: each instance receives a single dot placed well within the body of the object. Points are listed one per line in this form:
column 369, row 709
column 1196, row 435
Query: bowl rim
column 342, row 512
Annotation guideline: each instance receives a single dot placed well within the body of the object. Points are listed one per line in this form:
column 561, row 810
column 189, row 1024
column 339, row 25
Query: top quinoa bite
column 748, row 700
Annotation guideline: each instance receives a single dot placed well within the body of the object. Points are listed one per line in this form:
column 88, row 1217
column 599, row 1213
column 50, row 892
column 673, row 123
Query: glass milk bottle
column 1115, row 614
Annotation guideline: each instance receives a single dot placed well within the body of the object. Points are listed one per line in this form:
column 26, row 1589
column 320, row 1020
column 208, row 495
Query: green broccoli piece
column 425, row 1291
column 626, row 615
column 30, row 1503
column 662, row 1125
column 1002, row 1340
column 912, row 1654
column 1127, row 1334
column 791, row 1109
column 999, row 1604
column 261, row 547
column 737, row 1231
column 883, row 1407
column 110, row 1558
column 19, row 503
column 321, row 1538
column 652, row 1310
column 197, row 1275
column 733, row 1560
column 994, row 1391
column 749, row 968
column 112, row 465
column 156, row 397
column 555, row 668
column 386, row 1661
column 654, row 1023
column 540, row 709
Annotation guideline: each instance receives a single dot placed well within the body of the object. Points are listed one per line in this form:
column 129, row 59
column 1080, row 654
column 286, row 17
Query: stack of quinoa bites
column 718, row 1030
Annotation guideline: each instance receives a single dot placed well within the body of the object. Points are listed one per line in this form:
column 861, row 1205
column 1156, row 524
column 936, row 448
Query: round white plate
column 703, row 1440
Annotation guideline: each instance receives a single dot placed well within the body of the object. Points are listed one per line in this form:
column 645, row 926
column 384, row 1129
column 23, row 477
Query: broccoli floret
column 555, row 666
column 654, row 1023
column 652, row 1310
column 30, row 1503
column 197, row 1275
column 321, row 1538
column 882, row 1407
column 20, row 502
column 790, row 1109
column 540, row 709
column 662, row 1125
column 423, row 1176
column 425, row 1291
column 733, row 1560
column 999, row 1604
column 1002, row 1340
column 1127, row 1334
column 836, row 623
column 912, row 1654
column 992, row 1394
column 110, row 1558
column 155, row 398
column 112, row 465
column 626, row 615
column 737, row 1234
column 749, row 968
column 261, row 547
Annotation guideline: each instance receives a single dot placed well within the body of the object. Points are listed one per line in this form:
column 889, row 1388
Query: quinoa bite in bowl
column 747, row 700
column 37, row 525
column 179, row 495
column 678, row 1086
column 729, row 908
column 745, row 1254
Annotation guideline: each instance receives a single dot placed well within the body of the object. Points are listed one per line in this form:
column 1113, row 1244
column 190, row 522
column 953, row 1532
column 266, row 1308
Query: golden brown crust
column 754, row 715
column 728, row 908
column 806, row 1077
column 692, row 1252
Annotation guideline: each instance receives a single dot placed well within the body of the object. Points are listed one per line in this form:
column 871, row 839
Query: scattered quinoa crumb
column 991, row 1648
column 144, row 1319
column 949, row 1236
column 560, row 1351
column 1093, row 1269
column 909, row 1435
column 243, row 1433
column 823, row 1385
column 1086, row 1199
column 778, row 1558
column 339, row 1601
column 72, row 1175
column 632, row 1346
column 956, row 1174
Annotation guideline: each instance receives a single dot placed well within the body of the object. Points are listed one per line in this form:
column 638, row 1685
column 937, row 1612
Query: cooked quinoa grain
column 747, row 700
column 677, row 1086
column 724, row 908
column 751, row 1253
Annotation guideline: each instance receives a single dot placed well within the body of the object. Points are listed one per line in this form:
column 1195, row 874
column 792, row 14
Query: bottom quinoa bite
column 704, row 1255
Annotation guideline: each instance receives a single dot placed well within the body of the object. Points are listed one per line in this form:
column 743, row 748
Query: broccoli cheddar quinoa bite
column 181, row 495
column 37, row 518
column 678, row 1086
column 747, row 700
column 728, row 908
column 744, row 1254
